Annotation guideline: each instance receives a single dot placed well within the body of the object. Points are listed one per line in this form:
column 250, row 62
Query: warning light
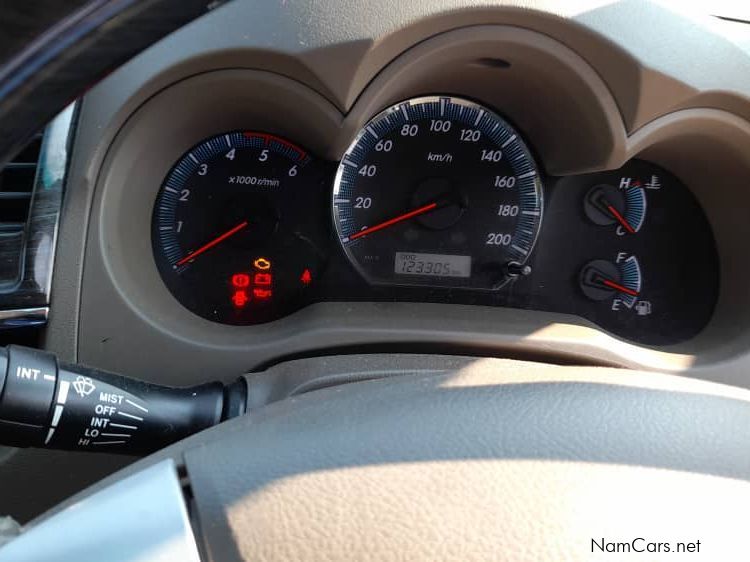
column 240, row 280
column 262, row 293
column 240, row 298
column 306, row 277
column 263, row 279
column 262, row 264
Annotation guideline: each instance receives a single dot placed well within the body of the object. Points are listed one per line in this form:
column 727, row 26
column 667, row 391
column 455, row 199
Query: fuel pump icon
column 643, row 308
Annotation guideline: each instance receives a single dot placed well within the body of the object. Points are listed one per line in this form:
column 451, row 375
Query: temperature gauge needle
column 395, row 220
column 615, row 213
column 215, row 242
column 617, row 287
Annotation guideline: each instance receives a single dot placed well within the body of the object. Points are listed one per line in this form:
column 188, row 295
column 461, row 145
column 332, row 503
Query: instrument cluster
column 438, row 198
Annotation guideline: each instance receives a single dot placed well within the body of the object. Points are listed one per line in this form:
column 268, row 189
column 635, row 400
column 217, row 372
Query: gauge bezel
column 538, row 188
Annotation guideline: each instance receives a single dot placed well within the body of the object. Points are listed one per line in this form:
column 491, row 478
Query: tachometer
column 235, row 232
column 438, row 191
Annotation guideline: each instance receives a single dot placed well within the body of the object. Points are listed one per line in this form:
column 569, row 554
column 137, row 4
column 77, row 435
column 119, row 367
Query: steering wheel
column 410, row 457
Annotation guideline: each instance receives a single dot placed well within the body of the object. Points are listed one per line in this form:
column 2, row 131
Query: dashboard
column 447, row 177
column 437, row 199
column 563, row 182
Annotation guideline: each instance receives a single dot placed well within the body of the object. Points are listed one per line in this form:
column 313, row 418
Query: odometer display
column 438, row 191
column 437, row 265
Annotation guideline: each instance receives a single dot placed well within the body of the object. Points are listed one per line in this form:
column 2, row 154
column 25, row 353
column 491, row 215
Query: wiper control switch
column 50, row 405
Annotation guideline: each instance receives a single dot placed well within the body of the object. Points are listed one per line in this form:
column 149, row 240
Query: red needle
column 618, row 287
column 625, row 224
column 212, row 243
column 395, row 220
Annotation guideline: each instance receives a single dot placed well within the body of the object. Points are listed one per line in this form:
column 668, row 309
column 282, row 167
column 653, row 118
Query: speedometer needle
column 212, row 243
column 395, row 220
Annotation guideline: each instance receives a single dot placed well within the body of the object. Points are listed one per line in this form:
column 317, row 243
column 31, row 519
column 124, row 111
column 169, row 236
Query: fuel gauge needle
column 617, row 287
column 215, row 242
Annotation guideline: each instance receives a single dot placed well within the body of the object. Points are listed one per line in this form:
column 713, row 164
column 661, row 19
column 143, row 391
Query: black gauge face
column 631, row 250
column 438, row 191
column 228, row 241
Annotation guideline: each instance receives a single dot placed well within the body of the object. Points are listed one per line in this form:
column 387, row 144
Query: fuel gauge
column 618, row 282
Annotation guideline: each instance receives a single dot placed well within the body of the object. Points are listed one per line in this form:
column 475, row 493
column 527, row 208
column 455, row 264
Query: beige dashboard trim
column 191, row 109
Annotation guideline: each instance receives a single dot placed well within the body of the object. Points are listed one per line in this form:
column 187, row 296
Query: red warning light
column 262, row 293
column 263, row 279
column 240, row 298
column 240, row 280
column 306, row 277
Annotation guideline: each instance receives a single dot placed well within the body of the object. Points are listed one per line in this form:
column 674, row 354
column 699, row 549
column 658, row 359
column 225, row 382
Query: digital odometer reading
column 445, row 181
column 437, row 265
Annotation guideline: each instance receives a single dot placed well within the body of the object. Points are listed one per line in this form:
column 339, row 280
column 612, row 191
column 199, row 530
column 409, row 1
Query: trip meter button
column 438, row 191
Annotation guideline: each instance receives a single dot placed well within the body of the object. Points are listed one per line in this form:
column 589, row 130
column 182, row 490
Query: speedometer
column 438, row 191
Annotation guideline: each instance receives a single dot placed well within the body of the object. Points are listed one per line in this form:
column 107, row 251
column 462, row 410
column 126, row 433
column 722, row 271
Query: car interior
column 374, row 280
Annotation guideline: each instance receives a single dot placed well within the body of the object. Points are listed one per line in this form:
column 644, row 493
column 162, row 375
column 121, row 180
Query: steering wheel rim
column 498, row 459
column 51, row 56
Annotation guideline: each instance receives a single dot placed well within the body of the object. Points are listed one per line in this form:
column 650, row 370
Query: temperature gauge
column 623, row 205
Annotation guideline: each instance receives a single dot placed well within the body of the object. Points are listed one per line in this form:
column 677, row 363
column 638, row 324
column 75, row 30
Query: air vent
column 17, row 180
column 31, row 194
column 16, row 187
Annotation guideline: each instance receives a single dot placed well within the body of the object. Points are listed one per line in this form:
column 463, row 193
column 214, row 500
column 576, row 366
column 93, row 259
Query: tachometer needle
column 625, row 224
column 395, row 220
column 212, row 243
column 617, row 287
